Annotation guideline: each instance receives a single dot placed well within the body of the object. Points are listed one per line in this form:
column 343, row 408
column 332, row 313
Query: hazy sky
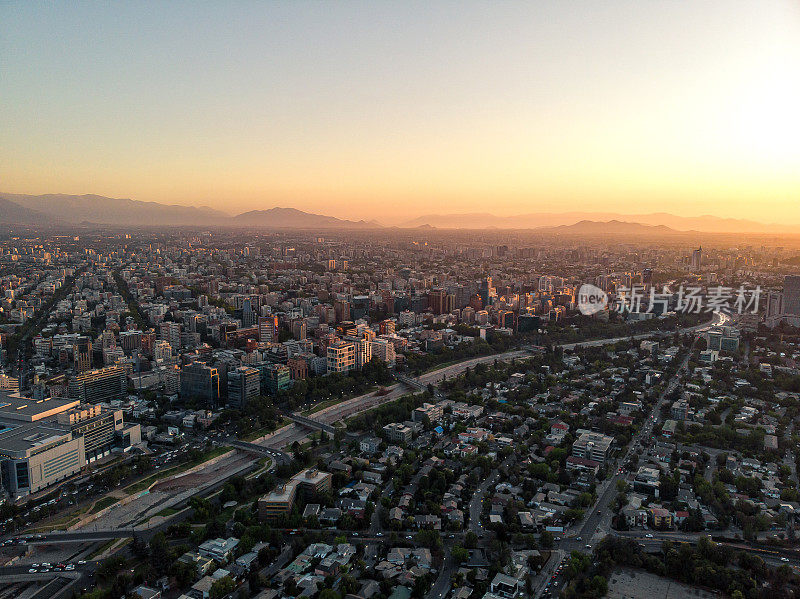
column 391, row 110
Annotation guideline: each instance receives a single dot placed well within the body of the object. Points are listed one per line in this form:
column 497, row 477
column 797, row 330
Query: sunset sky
column 391, row 110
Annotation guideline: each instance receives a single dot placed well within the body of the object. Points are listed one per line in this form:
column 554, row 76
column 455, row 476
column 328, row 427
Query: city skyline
column 391, row 112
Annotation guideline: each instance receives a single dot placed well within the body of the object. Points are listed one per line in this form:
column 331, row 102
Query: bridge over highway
column 278, row 455
column 310, row 423
column 409, row 381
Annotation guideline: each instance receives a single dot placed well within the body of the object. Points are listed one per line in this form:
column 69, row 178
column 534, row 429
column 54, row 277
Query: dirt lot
column 636, row 584
column 197, row 479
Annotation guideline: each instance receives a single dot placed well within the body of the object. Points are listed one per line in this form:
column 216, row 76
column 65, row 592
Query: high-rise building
column 108, row 339
column 171, row 333
column 276, row 377
column 162, row 350
column 101, row 385
column 486, row 285
column 249, row 315
column 383, row 350
column 387, row 327
column 244, row 384
column 436, row 300
column 696, row 261
column 268, row 329
column 784, row 306
column 341, row 310
column 791, row 295
column 35, row 456
column 83, row 354
column 200, row 381
column 363, row 352
column 298, row 367
column 341, row 356
column 299, row 329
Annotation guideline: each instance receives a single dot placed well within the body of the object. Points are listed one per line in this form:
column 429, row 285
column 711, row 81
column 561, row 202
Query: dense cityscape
column 399, row 300
column 205, row 413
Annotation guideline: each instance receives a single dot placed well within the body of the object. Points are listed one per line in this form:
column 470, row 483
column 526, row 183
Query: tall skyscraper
column 244, row 383
column 436, row 300
column 83, row 354
column 171, row 333
column 697, row 259
column 486, row 285
column 791, row 295
column 268, row 329
column 341, row 309
column 200, row 381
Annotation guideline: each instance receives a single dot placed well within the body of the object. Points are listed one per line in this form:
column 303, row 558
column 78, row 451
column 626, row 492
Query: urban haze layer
column 349, row 411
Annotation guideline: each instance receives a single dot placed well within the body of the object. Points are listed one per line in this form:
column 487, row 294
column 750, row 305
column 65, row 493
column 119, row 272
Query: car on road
column 69, row 567
column 649, row 535
column 784, row 559
column 81, row 562
column 33, row 570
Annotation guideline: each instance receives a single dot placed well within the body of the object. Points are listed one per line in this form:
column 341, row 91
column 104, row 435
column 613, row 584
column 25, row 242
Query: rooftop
column 15, row 407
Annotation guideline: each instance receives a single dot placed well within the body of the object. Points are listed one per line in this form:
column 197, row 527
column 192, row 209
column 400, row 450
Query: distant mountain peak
column 706, row 223
column 281, row 217
column 91, row 209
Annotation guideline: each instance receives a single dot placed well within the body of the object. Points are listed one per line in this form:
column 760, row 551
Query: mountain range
column 611, row 227
column 707, row 223
column 94, row 209
column 62, row 209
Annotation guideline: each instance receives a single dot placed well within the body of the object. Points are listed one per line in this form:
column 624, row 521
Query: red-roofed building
column 575, row 463
column 621, row 420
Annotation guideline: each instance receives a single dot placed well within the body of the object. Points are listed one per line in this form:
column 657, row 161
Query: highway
column 337, row 413
column 287, row 435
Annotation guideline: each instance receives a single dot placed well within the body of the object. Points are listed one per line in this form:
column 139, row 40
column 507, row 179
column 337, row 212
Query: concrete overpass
column 409, row 381
column 276, row 454
column 310, row 423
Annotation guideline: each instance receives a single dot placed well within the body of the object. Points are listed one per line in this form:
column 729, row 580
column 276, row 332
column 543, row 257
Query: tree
column 460, row 555
column 470, row 540
column 184, row 573
column 110, row 567
column 546, row 539
column 329, row 594
column 429, row 538
column 139, row 547
column 160, row 553
column 222, row 587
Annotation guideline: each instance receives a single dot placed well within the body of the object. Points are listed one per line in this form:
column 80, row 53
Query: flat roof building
column 25, row 409
column 279, row 501
column 37, row 454
column 592, row 446
column 103, row 384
